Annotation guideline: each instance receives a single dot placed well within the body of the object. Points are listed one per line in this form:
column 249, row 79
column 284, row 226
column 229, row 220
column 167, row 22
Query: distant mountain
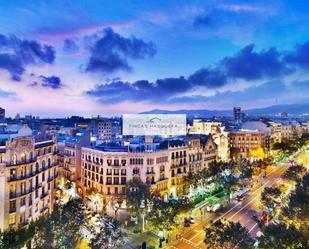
column 295, row 109
column 194, row 113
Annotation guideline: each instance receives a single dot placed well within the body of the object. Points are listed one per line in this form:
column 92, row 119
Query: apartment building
column 218, row 133
column 243, row 143
column 107, row 170
column 105, row 129
column 281, row 133
column 69, row 156
column 200, row 126
column 28, row 172
column 286, row 132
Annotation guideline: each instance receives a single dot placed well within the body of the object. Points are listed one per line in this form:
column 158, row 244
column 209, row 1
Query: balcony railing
column 44, row 194
column 52, row 177
column 150, row 172
column 10, row 164
column 19, row 194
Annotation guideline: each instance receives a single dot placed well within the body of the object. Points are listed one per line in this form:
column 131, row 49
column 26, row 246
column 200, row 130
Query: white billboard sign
column 154, row 124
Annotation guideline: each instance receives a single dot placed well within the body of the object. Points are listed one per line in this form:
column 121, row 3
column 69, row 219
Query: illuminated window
column 12, row 219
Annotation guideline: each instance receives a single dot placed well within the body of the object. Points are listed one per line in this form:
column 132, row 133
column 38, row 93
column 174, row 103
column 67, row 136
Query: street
column 193, row 236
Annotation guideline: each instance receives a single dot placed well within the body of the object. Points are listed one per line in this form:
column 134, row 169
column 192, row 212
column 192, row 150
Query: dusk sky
column 85, row 57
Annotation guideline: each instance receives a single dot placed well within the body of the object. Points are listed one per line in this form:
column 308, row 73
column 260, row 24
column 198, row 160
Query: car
column 191, row 219
column 216, row 207
column 241, row 197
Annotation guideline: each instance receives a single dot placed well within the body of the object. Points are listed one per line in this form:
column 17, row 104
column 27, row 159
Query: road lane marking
column 252, row 228
column 238, row 204
column 256, row 197
column 189, row 242
column 264, row 184
column 251, row 195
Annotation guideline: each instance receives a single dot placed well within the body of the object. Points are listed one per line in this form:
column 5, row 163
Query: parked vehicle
column 216, row 207
column 191, row 219
column 242, row 195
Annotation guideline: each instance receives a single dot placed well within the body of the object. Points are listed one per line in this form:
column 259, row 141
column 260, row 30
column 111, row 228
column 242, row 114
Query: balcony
column 52, row 177
column 37, row 186
column 11, row 164
column 43, row 195
column 19, row 194
column 163, row 179
column 44, row 209
column 150, row 172
column 21, row 177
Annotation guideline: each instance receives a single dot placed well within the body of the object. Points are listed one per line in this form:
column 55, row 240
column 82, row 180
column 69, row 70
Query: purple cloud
column 16, row 54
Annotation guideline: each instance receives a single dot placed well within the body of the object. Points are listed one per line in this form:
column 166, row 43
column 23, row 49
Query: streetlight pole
column 142, row 206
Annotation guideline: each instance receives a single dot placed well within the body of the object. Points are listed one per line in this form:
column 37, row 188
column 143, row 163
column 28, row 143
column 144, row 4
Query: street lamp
column 142, row 206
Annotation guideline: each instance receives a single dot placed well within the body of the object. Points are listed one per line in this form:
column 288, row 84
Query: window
column 13, row 172
column 109, row 180
column 116, row 180
column 13, row 206
column 23, row 201
column 23, row 158
column 14, row 160
column 136, row 171
column 12, row 219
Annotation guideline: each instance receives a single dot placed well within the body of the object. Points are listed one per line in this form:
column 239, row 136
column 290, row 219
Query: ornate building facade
column 28, row 172
column 163, row 169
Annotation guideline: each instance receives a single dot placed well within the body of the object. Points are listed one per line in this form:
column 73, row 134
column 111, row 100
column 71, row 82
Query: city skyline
column 111, row 58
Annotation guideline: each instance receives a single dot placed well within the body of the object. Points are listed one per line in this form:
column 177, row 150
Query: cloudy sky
column 90, row 57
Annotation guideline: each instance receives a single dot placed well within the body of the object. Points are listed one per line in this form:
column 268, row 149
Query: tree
column 136, row 192
column 279, row 236
column 62, row 228
column 162, row 215
column 270, row 196
column 229, row 183
column 191, row 179
column 257, row 153
column 294, row 173
column 199, row 178
column 284, row 146
column 17, row 238
column 246, row 173
column 297, row 210
column 227, row 235
column 109, row 235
